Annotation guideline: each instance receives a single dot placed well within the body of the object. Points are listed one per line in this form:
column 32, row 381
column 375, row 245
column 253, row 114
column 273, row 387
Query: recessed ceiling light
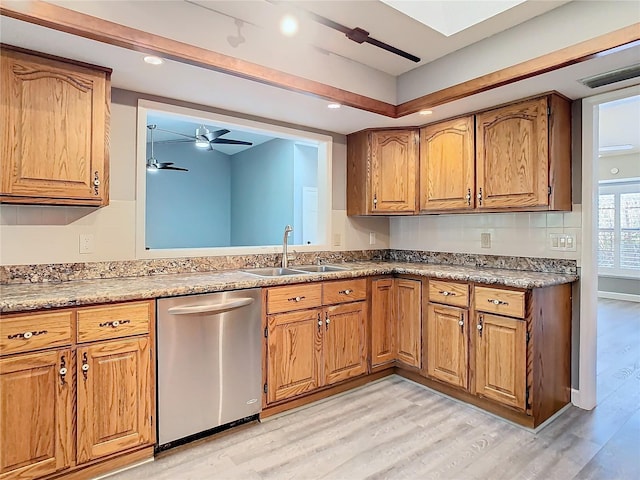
column 425, row 112
column 153, row 60
column 333, row 105
column 289, row 25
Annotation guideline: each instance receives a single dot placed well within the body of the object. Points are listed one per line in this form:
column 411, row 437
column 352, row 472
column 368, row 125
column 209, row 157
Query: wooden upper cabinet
column 344, row 343
column 501, row 359
column 523, row 155
column 294, row 353
column 114, row 397
column 447, row 166
column 382, row 172
column 36, row 420
column 54, row 130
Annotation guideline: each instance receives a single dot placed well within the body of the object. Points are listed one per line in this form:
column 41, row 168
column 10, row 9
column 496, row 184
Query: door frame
column 585, row 396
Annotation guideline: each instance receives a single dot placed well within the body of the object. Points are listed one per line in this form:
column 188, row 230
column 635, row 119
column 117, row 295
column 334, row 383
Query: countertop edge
column 216, row 281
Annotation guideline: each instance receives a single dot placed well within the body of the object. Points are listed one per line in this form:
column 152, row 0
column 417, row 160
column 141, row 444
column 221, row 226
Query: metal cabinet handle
column 480, row 195
column 319, row 323
column 96, row 183
column 479, row 326
column 295, row 299
column 447, row 293
column 114, row 323
column 375, row 200
column 26, row 335
column 348, row 291
column 468, row 196
column 212, row 309
column 85, row 366
column 327, row 321
column 495, row 301
column 461, row 323
column 63, row 370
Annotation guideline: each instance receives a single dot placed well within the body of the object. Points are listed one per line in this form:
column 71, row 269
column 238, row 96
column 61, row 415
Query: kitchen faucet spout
column 285, row 241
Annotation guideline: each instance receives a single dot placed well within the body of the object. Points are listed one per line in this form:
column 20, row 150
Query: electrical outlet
column 86, row 243
column 485, row 240
column 372, row 238
column 562, row 241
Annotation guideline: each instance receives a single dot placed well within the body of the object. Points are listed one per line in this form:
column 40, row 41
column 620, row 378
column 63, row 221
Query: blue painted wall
column 305, row 174
column 262, row 193
column 188, row 209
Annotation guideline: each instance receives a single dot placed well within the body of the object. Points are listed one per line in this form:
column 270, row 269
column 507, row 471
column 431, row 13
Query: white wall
column 49, row 234
column 518, row 234
column 564, row 26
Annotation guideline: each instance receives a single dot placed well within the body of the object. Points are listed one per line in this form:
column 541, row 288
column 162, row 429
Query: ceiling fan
column 204, row 138
column 153, row 164
column 359, row 35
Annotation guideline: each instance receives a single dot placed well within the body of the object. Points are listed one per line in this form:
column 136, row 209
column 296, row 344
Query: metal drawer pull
column 447, row 293
column 26, row 335
column 348, row 291
column 114, row 323
column 497, row 302
column 295, row 299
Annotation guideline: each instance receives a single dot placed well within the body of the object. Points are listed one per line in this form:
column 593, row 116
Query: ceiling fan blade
column 175, row 133
column 218, row 133
column 176, row 141
column 359, row 35
column 175, row 168
column 228, row 141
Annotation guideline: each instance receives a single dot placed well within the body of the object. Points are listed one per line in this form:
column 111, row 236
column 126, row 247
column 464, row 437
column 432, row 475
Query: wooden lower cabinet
column 294, row 346
column 344, row 342
column 447, row 344
column 383, row 322
column 114, row 397
column 314, row 348
column 501, row 359
column 36, row 417
column 396, row 321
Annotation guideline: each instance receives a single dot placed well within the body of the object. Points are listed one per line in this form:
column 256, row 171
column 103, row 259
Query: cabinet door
column 344, row 344
column 55, row 131
column 409, row 318
column 512, row 156
column 501, row 359
column 114, row 397
column 294, row 346
column 36, row 416
column 394, row 160
column 447, row 164
column 382, row 321
column 447, row 346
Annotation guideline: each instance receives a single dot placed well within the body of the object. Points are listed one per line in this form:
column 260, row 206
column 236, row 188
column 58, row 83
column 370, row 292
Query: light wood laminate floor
column 395, row 429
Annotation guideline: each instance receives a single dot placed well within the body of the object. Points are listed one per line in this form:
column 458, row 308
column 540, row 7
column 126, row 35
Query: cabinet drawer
column 449, row 293
column 502, row 302
column 294, row 297
column 35, row 331
column 344, row 291
column 102, row 323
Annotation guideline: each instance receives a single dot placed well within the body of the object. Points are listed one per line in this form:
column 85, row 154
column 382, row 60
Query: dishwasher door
column 209, row 361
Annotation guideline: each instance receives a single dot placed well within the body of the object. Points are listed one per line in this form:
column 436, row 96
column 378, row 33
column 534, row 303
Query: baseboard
column 575, row 397
column 629, row 297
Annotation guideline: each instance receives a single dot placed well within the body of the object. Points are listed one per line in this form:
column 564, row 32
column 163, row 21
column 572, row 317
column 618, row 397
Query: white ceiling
column 619, row 124
column 179, row 81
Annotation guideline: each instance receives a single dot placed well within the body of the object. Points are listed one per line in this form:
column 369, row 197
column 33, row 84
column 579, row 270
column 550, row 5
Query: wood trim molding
column 595, row 47
column 94, row 28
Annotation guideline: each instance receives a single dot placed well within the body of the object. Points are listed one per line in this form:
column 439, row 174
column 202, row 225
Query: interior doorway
column 586, row 394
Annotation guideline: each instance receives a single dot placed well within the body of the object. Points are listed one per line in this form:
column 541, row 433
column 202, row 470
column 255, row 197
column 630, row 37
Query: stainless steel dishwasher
column 209, row 362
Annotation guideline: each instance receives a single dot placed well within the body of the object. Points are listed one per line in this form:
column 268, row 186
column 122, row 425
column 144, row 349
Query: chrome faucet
column 287, row 230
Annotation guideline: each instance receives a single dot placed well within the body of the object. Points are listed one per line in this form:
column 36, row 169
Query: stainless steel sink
column 319, row 268
column 274, row 272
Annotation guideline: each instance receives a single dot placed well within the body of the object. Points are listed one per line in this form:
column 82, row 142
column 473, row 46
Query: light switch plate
column 562, row 241
column 485, row 240
column 86, row 243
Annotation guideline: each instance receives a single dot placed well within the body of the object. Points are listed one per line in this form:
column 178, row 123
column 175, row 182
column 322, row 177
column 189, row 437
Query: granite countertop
column 25, row 297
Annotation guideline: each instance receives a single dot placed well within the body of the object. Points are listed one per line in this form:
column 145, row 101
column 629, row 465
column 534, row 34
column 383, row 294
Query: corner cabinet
column 382, row 172
column 523, row 155
column 77, row 390
column 55, row 130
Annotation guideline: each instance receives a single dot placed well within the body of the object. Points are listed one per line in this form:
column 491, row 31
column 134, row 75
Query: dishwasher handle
column 213, row 309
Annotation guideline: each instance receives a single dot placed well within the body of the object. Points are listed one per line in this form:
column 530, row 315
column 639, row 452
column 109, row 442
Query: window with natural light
column 619, row 229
